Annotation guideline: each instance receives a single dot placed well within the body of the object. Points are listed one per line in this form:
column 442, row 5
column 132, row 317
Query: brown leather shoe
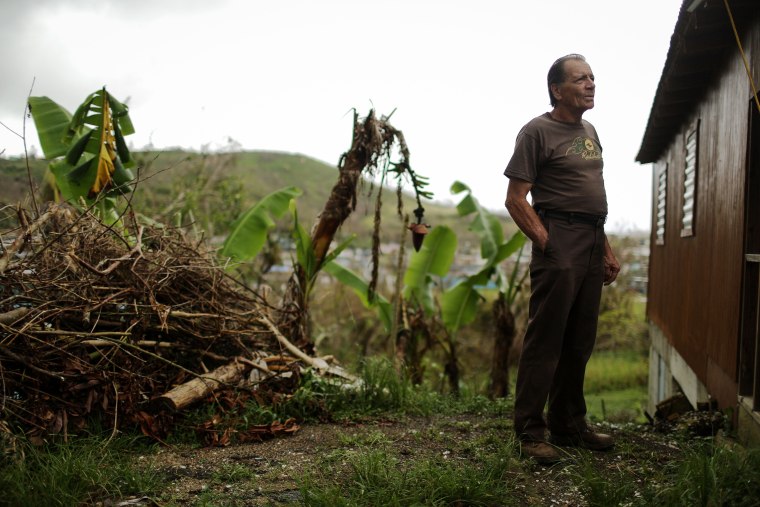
column 541, row 452
column 587, row 439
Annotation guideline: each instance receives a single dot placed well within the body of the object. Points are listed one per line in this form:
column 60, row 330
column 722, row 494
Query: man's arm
column 611, row 264
column 523, row 213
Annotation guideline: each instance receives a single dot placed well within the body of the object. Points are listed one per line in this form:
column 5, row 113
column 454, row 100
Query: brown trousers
column 566, row 286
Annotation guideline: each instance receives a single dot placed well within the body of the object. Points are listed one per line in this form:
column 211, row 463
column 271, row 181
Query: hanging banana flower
column 419, row 229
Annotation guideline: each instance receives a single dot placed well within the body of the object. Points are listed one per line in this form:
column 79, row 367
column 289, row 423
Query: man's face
column 577, row 91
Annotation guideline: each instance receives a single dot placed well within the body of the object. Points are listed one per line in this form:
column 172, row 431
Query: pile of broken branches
column 126, row 325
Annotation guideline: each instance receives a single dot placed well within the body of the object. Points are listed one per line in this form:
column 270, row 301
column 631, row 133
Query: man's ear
column 555, row 91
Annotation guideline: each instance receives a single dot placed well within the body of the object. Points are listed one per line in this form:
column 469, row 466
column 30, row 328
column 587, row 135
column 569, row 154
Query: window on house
column 690, row 181
column 662, row 193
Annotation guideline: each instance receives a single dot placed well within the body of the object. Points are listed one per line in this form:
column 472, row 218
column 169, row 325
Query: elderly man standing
column 558, row 160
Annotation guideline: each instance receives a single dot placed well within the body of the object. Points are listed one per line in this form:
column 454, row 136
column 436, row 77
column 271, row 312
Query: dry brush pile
column 129, row 327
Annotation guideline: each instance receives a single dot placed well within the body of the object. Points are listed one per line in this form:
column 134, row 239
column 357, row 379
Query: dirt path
column 268, row 473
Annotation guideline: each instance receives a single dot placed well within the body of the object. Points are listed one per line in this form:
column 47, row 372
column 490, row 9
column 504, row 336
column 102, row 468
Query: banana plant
column 88, row 155
column 360, row 287
column 459, row 304
column 249, row 232
column 434, row 259
column 306, row 258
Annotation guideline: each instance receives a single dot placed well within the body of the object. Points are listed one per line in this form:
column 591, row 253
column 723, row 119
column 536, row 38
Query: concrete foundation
column 669, row 374
column 748, row 424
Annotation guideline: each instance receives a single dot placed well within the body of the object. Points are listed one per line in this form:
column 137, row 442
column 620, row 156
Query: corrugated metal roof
column 697, row 54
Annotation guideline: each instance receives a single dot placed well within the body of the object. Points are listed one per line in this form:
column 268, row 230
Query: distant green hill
column 212, row 189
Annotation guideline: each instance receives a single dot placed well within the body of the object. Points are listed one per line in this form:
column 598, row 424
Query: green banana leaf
column 485, row 223
column 121, row 113
column 92, row 140
column 361, row 288
column 52, row 122
column 304, row 249
column 515, row 243
column 434, row 258
column 459, row 304
column 335, row 252
column 100, row 151
column 68, row 181
column 249, row 231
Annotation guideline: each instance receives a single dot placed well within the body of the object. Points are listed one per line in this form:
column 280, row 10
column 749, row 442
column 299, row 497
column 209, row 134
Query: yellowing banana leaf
column 52, row 122
column 103, row 172
column 96, row 153
column 249, row 232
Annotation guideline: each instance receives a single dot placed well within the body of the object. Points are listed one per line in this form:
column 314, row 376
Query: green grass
column 368, row 468
column 84, row 471
column 621, row 405
column 378, row 477
column 713, row 475
column 616, row 386
column 607, row 371
column 706, row 475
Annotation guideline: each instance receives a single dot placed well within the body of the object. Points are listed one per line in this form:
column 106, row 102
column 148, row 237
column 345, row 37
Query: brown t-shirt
column 564, row 163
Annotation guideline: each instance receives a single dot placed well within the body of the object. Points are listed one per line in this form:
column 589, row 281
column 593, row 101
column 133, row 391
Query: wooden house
column 703, row 141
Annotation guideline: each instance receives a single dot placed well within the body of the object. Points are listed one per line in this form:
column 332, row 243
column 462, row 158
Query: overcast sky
column 462, row 76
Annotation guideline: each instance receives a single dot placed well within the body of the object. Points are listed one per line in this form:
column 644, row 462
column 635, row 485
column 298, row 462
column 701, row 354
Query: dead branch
column 13, row 315
column 190, row 392
column 315, row 362
column 20, row 240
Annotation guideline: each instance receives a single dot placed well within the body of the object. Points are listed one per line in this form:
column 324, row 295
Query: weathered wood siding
column 695, row 282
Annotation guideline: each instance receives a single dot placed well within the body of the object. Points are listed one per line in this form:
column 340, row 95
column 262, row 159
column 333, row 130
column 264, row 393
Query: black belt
column 570, row 217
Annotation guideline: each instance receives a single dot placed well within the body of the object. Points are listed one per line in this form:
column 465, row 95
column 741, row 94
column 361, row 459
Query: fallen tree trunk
column 188, row 393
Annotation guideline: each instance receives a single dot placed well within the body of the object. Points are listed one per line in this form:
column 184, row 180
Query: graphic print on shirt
column 586, row 148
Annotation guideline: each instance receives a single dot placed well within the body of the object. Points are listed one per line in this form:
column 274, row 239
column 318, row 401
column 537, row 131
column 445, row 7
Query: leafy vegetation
column 249, row 232
column 89, row 157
